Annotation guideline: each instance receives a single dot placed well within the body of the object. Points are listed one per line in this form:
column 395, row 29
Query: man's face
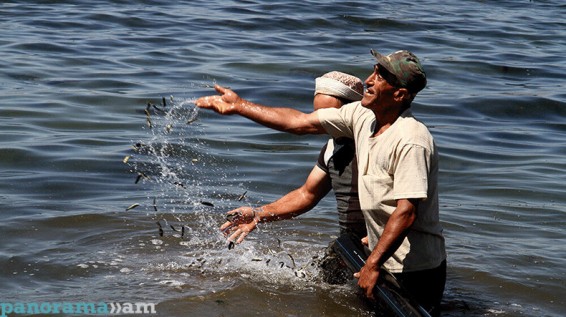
column 378, row 90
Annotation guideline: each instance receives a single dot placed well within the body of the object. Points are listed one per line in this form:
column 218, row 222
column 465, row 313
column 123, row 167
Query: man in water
column 397, row 171
column 335, row 168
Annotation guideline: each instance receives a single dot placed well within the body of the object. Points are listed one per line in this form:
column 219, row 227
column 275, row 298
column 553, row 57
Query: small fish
column 206, row 203
column 163, row 100
column 173, row 228
column 160, row 229
column 232, row 217
column 148, row 117
column 154, row 204
column 133, row 206
column 159, row 109
column 191, row 120
column 225, row 230
column 292, row 260
column 182, row 231
column 256, row 260
column 137, row 146
column 242, row 196
column 126, row 159
column 267, row 261
column 179, row 184
column 140, row 176
column 231, row 245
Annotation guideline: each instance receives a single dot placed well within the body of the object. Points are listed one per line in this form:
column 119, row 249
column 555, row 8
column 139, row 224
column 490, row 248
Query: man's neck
column 385, row 119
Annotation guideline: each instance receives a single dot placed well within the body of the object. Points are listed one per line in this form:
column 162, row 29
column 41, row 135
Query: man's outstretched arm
column 245, row 219
column 282, row 119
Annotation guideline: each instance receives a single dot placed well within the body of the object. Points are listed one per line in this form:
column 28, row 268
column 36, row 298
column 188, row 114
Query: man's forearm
column 291, row 205
column 299, row 200
column 395, row 231
column 282, row 119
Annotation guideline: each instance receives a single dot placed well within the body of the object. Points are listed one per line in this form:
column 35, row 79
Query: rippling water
column 77, row 76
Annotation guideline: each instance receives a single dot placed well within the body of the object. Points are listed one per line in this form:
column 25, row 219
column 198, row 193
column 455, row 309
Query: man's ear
column 402, row 95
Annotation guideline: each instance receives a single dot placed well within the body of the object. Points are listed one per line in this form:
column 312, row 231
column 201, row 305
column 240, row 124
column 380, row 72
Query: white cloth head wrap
column 339, row 85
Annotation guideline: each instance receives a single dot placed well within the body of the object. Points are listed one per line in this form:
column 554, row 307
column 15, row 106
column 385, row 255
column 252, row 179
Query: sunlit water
column 77, row 77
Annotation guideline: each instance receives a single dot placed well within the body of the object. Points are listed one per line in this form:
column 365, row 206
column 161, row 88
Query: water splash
column 172, row 157
column 181, row 200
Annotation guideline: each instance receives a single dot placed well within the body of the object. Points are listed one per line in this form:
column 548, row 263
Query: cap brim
column 382, row 60
column 375, row 54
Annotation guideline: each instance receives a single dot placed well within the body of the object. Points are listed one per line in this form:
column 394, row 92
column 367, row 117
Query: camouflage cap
column 406, row 68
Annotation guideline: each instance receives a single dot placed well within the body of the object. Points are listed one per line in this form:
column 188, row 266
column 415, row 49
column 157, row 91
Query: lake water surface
column 76, row 77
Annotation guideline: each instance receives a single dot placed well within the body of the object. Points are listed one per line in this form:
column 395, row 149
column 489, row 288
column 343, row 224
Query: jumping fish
column 140, row 176
column 206, row 203
column 160, row 229
column 232, row 217
column 159, row 109
column 132, row 206
column 191, row 120
column 148, row 117
column 292, row 260
column 138, row 146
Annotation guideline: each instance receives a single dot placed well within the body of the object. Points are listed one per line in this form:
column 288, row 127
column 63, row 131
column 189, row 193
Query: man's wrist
column 256, row 214
column 375, row 260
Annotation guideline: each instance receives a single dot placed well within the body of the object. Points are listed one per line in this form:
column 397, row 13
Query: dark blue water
column 76, row 77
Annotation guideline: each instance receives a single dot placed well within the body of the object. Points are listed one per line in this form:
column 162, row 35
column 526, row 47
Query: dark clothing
column 338, row 159
column 425, row 286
